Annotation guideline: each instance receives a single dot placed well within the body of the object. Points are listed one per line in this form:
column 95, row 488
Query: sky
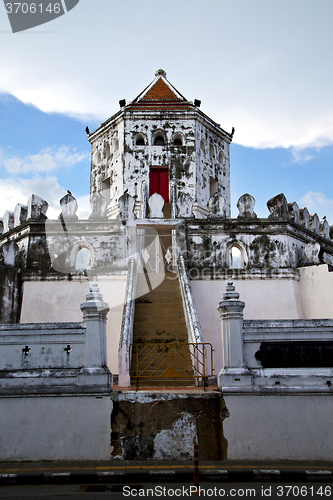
column 263, row 67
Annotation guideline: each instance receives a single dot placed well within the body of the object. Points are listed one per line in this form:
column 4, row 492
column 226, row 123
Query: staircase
column 159, row 319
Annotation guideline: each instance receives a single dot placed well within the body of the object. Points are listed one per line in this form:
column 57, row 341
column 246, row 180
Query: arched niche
column 158, row 138
column 82, row 256
column 139, row 140
column 237, row 256
column 178, row 140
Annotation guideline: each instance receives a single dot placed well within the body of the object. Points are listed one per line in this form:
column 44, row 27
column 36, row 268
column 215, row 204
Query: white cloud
column 254, row 67
column 317, row 202
column 17, row 190
column 13, row 191
column 45, row 161
column 301, row 156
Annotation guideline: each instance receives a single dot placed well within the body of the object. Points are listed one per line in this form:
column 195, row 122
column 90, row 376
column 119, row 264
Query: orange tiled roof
column 160, row 92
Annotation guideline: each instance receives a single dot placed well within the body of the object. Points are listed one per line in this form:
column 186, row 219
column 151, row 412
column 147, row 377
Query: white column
column 234, row 372
column 94, row 319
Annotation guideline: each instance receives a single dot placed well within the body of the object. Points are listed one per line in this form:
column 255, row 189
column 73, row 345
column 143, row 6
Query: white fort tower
column 162, row 143
column 160, row 292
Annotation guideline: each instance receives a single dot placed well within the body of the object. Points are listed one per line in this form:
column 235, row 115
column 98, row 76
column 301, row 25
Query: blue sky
column 262, row 67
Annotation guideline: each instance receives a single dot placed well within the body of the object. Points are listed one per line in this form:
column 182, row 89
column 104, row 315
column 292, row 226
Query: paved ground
column 122, row 472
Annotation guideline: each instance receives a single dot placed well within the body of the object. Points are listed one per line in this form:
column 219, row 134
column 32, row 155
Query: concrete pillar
column 234, row 371
column 94, row 319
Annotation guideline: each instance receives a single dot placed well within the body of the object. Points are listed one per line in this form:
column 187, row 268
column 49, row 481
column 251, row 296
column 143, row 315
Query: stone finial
column 324, row 228
column 37, row 207
column 20, row 214
column 315, row 223
column 156, row 204
column 69, row 206
column 230, row 291
column 126, row 204
column 311, row 253
column 217, row 206
column 95, row 294
column 8, row 221
column 304, row 217
column 184, row 205
column 94, row 299
column 293, row 209
column 161, row 72
column 278, row 207
column 98, row 205
column 245, row 205
column 328, row 259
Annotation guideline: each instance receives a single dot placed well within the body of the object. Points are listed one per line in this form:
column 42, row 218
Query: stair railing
column 191, row 315
column 126, row 333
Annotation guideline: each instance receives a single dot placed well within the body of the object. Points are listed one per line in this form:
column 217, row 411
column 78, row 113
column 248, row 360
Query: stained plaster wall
column 179, row 159
column 215, row 165
column 264, row 299
column 110, row 166
column 54, row 301
column 287, row 427
column 264, row 244
column 55, row 428
column 190, row 166
column 316, row 286
column 164, row 426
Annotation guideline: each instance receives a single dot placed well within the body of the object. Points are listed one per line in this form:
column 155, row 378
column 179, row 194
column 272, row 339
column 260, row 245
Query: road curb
column 156, row 476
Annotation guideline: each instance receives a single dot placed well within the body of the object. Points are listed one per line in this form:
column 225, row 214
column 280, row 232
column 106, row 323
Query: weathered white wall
column 55, row 301
column 55, row 428
column 264, row 299
column 279, row 427
column 316, row 286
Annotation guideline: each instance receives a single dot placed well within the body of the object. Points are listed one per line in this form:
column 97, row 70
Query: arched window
column 159, row 140
column 139, row 140
column 236, row 258
column 177, row 140
column 107, row 150
column 116, row 144
column 203, row 144
column 83, row 259
column 98, row 157
column 212, row 150
column 221, row 157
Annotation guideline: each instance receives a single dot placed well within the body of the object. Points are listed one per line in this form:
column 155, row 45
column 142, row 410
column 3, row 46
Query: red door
column 159, row 182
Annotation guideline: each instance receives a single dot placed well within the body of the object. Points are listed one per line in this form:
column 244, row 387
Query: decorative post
column 234, row 373
column 94, row 319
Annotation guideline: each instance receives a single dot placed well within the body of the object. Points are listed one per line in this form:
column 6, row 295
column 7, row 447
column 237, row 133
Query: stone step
column 167, row 299
column 156, row 294
column 148, row 307
column 144, row 336
column 152, row 314
column 163, row 382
